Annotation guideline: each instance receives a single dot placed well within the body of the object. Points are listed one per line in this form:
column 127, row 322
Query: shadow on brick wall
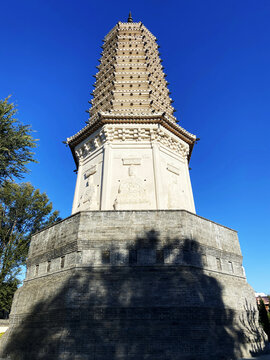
column 133, row 312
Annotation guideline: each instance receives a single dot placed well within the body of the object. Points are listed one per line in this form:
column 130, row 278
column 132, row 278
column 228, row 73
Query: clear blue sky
column 217, row 57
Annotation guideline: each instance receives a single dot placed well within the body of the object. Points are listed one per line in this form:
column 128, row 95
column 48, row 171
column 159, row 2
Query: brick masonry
column 134, row 285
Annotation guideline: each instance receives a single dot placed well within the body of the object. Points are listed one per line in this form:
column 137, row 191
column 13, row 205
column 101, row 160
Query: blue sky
column 217, row 57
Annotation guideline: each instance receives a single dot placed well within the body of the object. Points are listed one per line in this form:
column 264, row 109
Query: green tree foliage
column 23, row 211
column 7, row 290
column 263, row 318
column 16, row 143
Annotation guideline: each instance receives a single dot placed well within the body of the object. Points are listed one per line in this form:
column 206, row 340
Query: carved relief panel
column 89, row 190
column 132, row 190
column 133, row 186
column 89, row 195
column 174, row 182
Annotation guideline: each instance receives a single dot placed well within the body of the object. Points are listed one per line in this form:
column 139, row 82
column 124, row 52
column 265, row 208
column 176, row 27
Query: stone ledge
column 131, row 211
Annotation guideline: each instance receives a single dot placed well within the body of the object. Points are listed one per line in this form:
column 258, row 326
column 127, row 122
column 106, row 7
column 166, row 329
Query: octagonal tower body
column 132, row 155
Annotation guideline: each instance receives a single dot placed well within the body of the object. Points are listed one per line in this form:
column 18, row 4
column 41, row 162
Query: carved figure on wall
column 131, row 191
column 88, row 198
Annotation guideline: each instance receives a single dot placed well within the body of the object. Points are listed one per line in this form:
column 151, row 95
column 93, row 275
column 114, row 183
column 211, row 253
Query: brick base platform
column 158, row 285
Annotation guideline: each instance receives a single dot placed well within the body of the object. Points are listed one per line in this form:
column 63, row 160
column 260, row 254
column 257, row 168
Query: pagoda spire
column 130, row 20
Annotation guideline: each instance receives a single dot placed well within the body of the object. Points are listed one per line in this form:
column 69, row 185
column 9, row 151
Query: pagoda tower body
column 132, row 155
column 133, row 273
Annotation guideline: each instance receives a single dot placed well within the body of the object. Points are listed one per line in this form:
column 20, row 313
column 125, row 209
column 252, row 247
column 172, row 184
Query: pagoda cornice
column 156, row 64
column 159, row 80
column 107, row 57
column 100, row 75
column 131, row 57
column 95, row 103
column 128, row 65
column 103, row 107
column 139, row 81
column 133, row 100
column 130, row 37
column 138, row 49
column 104, row 62
column 150, row 46
column 153, row 85
column 111, row 118
column 131, row 90
column 135, row 112
column 112, row 32
column 156, row 107
column 113, row 45
column 130, row 42
column 130, row 26
column 101, row 92
column 167, row 108
column 119, row 72
column 109, row 50
column 144, row 29
column 110, row 78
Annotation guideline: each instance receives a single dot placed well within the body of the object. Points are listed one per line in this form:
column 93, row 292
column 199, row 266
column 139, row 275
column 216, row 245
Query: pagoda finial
column 130, row 17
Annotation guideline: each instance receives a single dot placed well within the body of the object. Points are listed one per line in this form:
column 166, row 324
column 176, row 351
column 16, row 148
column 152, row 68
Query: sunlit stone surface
column 132, row 154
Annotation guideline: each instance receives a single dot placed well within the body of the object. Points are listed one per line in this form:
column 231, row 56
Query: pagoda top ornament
column 130, row 20
column 131, row 108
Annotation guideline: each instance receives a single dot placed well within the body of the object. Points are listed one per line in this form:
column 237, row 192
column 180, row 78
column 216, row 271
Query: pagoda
column 133, row 273
column 132, row 154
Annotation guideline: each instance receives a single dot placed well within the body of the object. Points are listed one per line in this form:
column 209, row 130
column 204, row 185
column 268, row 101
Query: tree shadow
column 159, row 305
column 249, row 323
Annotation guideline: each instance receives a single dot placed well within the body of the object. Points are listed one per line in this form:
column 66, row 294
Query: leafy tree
column 263, row 318
column 7, row 290
column 16, row 143
column 23, row 211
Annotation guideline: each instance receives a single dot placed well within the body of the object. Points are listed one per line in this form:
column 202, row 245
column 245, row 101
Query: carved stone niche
column 132, row 190
column 88, row 198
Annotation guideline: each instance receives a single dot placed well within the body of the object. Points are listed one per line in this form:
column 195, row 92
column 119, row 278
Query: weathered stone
column 173, row 300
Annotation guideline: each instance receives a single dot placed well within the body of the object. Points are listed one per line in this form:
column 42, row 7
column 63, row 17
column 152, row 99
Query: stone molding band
column 158, row 119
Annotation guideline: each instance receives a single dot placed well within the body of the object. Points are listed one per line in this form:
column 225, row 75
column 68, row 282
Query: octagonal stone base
column 134, row 285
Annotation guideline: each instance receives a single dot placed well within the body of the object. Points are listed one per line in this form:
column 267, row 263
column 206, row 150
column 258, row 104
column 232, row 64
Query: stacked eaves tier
column 132, row 154
column 131, row 78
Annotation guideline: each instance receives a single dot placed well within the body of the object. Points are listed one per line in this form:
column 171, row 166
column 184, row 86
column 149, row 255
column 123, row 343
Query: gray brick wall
column 134, row 285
